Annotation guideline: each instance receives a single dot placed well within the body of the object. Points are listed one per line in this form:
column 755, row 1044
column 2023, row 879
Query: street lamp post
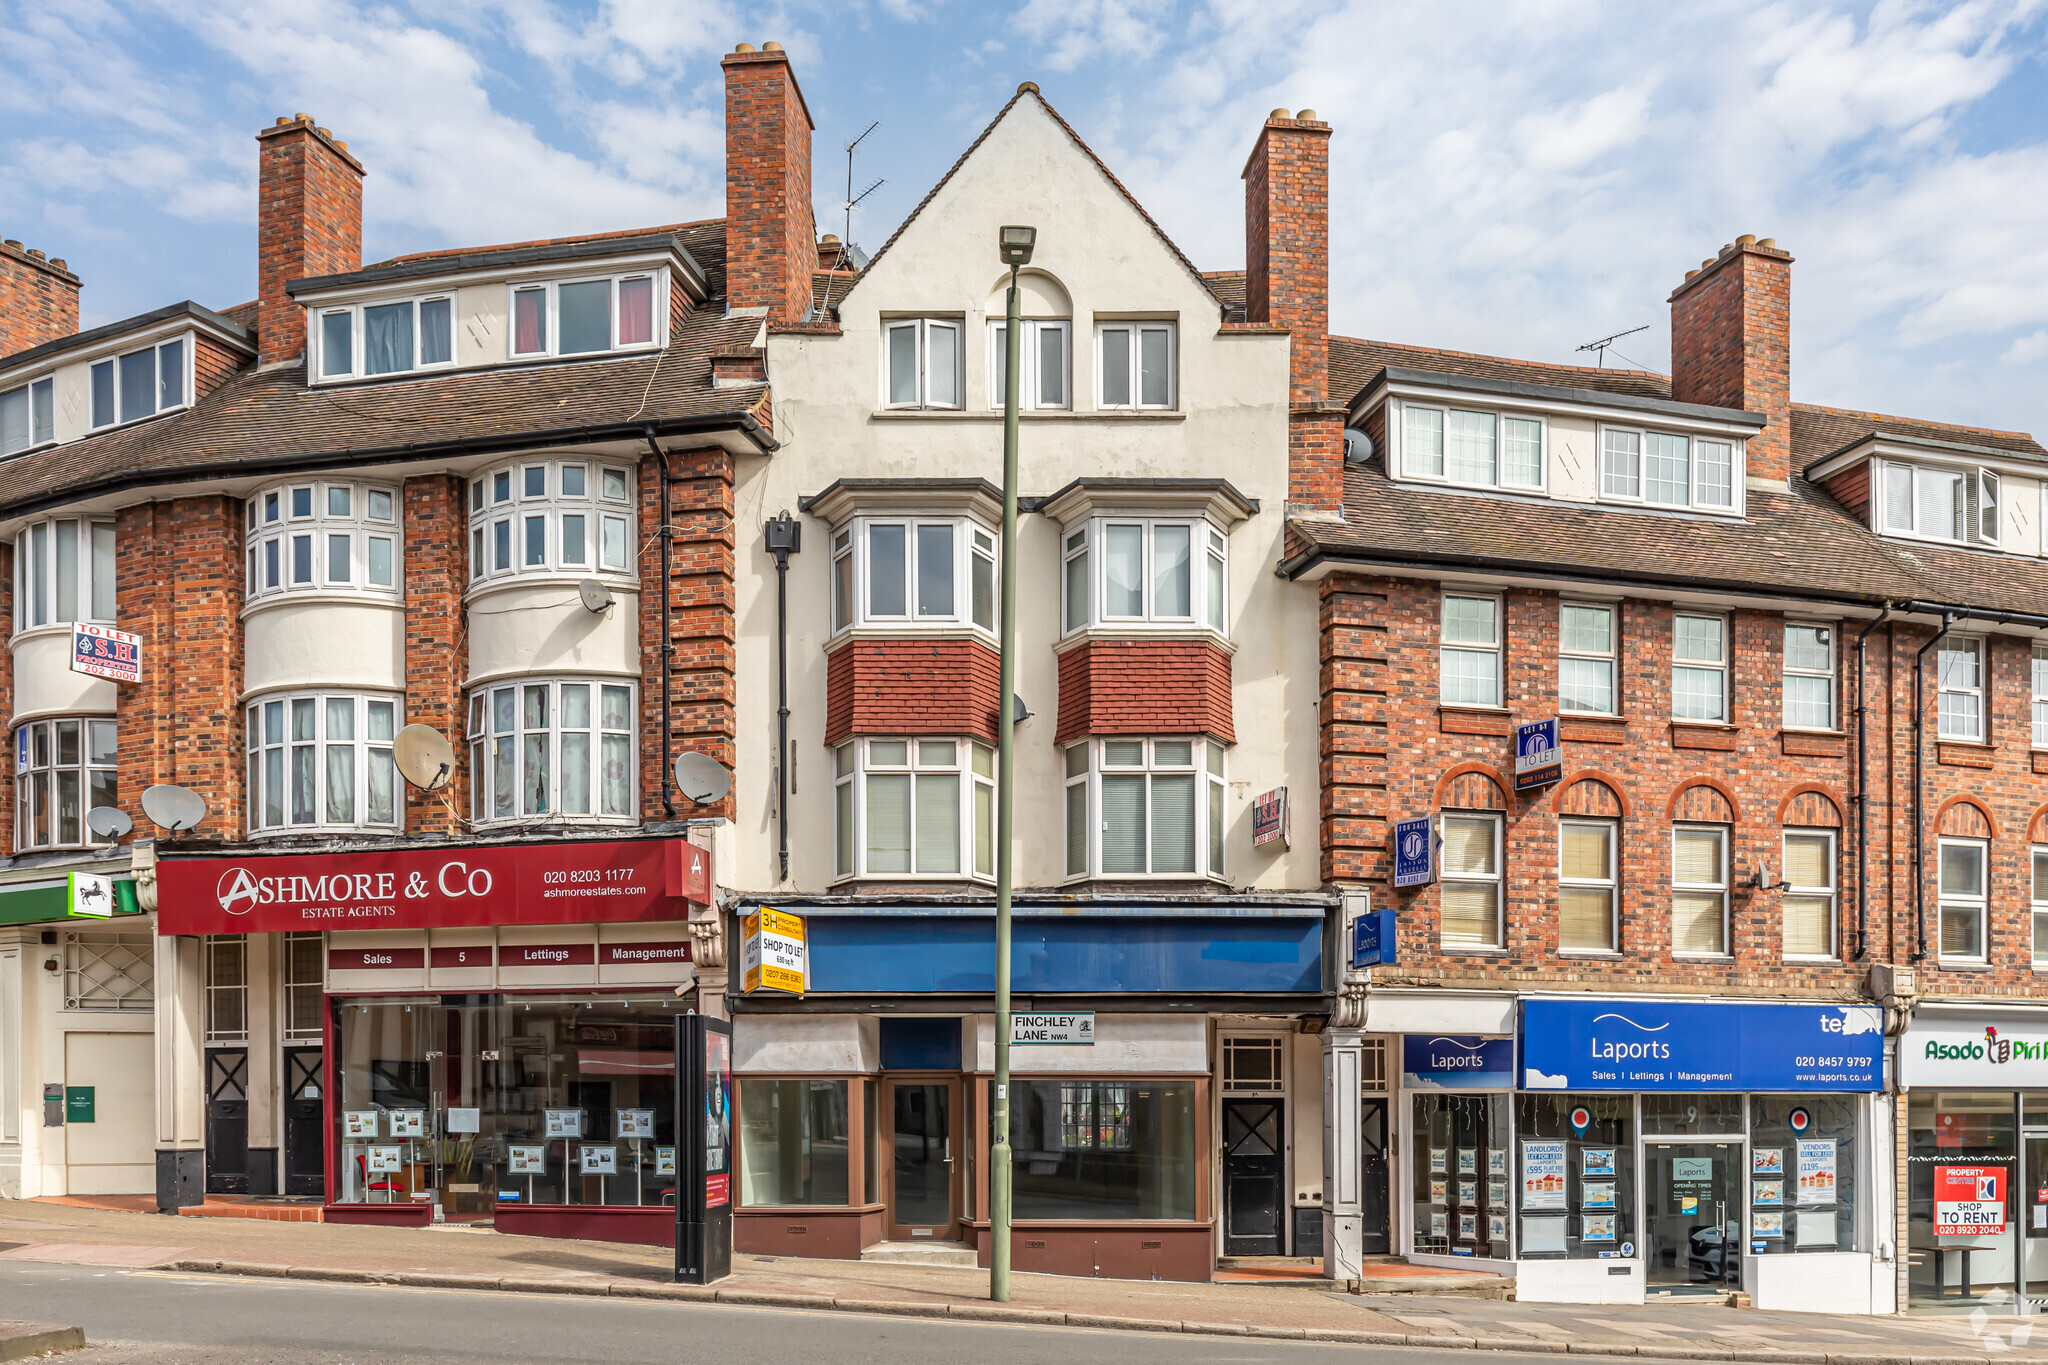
column 1015, row 244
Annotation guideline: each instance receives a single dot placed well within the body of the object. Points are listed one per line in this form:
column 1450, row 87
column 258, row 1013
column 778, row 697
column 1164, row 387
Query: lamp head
column 1014, row 244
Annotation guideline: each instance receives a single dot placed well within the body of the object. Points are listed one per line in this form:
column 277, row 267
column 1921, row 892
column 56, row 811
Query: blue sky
column 1516, row 178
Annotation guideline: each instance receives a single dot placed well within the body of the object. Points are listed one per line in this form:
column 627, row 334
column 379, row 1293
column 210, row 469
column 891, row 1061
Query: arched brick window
column 1589, row 796
column 1703, row 803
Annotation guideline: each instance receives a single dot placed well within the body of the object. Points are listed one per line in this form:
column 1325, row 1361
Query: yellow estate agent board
column 774, row 955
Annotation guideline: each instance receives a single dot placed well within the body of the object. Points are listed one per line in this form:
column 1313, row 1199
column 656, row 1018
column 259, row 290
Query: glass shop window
column 1802, row 1173
column 1578, row 1175
column 795, row 1140
column 1462, row 1175
column 1110, row 1149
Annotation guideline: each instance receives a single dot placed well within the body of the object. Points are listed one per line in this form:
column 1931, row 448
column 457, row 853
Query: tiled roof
column 1799, row 542
column 268, row 419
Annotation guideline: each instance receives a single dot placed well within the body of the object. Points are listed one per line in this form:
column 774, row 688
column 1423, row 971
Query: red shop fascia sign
column 429, row 888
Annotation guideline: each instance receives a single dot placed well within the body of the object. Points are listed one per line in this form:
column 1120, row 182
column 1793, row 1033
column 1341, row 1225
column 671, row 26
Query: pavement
column 41, row 1233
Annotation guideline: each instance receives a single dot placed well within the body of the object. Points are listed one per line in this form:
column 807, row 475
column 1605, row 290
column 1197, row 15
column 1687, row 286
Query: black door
column 227, row 1121
column 305, row 1124
column 1376, row 1232
column 1254, row 1167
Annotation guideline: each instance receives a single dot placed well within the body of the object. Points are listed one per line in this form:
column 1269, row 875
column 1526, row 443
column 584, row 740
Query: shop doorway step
column 1280, row 1270
column 1394, row 1275
column 920, row 1252
column 244, row 1206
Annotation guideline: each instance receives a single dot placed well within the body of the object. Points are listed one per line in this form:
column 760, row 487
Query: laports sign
column 551, row 883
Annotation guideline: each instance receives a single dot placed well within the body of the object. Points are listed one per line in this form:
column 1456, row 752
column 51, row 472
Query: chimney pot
column 36, row 255
column 302, row 118
column 1279, row 113
column 771, row 47
column 324, row 133
column 1028, row 87
column 282, row 121
column 342, row 145
column 1306, row 116
column 830, row 239
column 744, row 47
column 1769, row 244
column 1707, row 264
column 1746, row 239
column 1692, row 274
column 59, row 263
column 13, row 243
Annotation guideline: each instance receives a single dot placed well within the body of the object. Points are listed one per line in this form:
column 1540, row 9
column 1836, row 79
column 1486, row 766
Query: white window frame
column 1622, row 475
column 974, row 551
column 97, row 421
column 973, row 764
column 1718, row 888
column 2039, row 898
column 498, row 497
column 1085, row 542
column 551, row 292
column 1829, row 892
column 273, row 755
column 1030, row 391
column 1137, row 327
column 486, row 737
column 1830, row 631
column 1497, row 879
column 1980, row 510
column 274, row 527
column 1439, row 470
column 1610, row 884
column 1086, row 764
column 1704, row 665
column 1947, row 684
column 355, row 365
column 35, row 574
column 37, row 400
column 37, row 766
column 2039, row 680
column 1610, row 658
column 1978, row 904
column 1496, row 648
column 923, row 328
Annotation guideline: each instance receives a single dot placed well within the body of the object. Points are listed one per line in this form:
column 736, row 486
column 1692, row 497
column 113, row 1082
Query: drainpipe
column 785, row 536
column 1949, row 618
column 668, row 647
column 1863, row 784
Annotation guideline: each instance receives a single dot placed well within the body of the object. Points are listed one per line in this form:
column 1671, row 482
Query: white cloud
column 1074, row 31
column 2027, row 350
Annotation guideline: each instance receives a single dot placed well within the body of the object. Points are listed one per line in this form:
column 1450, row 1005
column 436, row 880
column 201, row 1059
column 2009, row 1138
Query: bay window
column 1471, row 449
column 587, row 317
column 914, row 570
column 63, row 769
column 64, row 572
column 1117, row 572
column 391, row 337
column 1955, row 505
column 913, row 807
column 558, row 750
column 1043, row 366
column 921, row 361
column 1667, row 469
column 1144, row 808
column 322, row 761
column 1135, row 364
column 323, row 537
column 1699, row 890
column 1961, row 881
column 1809, row 677
column 572, row 517
column 28, row 416
column 1960, row 688
column 141, row 383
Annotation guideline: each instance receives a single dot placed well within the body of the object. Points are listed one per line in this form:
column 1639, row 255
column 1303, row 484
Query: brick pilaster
column 1731, row 344
column 1354, row 686
column 7, row 698
column 701, row 625
column 436, row 638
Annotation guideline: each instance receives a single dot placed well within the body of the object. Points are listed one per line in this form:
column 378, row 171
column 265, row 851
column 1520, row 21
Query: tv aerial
column 172, row 807
column 701, row 779
column 1604, row 344
column 423, row 757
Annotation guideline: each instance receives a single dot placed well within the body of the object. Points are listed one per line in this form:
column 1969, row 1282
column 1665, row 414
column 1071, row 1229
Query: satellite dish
column 596, row 596
column 423, row 757
column 1357, row 446
column 109, row 822
column 701, row 778
column 172, row 807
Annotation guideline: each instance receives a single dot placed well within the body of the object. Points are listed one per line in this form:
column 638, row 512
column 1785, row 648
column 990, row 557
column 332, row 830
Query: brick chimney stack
column 309, row 221
column 38, row 298
column 771, row 241
column 1731, row 344
column 1287, row 284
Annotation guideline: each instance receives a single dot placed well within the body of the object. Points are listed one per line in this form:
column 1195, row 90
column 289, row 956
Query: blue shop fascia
column 864, row 1102
column 1612, row 1149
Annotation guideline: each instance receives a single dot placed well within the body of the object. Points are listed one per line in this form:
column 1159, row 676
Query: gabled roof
column 1030, row 88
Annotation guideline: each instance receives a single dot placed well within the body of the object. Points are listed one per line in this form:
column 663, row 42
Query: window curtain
column 387, row 338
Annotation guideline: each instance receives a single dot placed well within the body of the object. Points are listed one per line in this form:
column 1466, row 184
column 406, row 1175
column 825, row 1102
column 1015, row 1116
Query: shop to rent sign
column 1969, row 1201
column 774, row 955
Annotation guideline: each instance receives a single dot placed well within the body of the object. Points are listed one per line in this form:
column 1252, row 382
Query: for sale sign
column 1969, row 1201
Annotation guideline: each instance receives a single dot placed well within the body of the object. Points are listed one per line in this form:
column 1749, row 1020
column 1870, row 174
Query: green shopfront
column 1974, row 1087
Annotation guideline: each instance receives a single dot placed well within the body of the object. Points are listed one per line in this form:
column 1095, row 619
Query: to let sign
column 105, row 652
column 1269, row 818
column 1539, row 758
column 773, row 955
column 1072, row 1029
column 1969, row 1201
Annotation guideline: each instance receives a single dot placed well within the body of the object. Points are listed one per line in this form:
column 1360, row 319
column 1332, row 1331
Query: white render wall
column 1231, row 423
column 323, row 641
column 44, row 683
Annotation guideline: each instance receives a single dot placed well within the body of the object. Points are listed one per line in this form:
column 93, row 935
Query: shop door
column 466, row 1076
column 1254, row 1169
column 923, row 1119
column 1693, row 1232
column 1376, row 1232
column 305, row 1123
column 227, row 1120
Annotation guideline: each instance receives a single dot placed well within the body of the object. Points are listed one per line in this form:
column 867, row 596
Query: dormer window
column 387, row 338
column 1471, row 449
column 583, row 317
column 28, row 416
column 1667, row 469
column 140, row 384
column 1959, row 506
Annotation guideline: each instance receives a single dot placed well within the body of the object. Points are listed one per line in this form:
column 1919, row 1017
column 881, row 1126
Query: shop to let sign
column 774, row 955
column 1269, row 818
column 1969, row 1201
column 105, row 652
